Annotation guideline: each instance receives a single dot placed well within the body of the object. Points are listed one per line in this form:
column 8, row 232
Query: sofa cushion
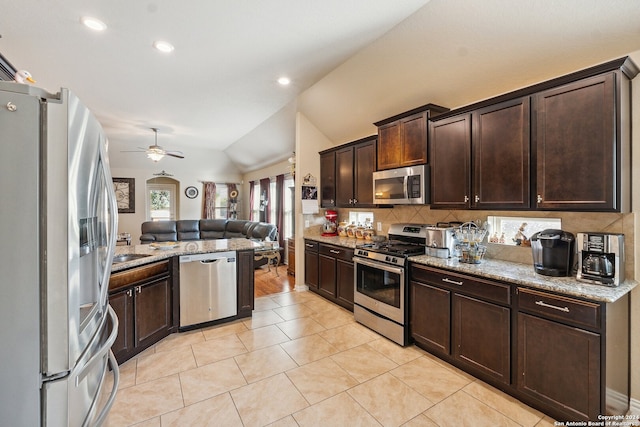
column 188, row 229
column 159, row 231
column 263, row 231
column 235, row 228
column 212, row 228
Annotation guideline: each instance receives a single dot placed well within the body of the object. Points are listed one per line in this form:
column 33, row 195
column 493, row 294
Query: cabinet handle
column 539, row 199
column 129, row 293
column 453, row 282
column 309, row 245
column 477, row 199
column 139, row 289
column 333, row 251
column 466, row 199
column 355, row 201
column 555, row 307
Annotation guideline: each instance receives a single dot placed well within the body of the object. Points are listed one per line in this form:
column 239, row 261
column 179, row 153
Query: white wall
column 198, row 166
column 309, row 142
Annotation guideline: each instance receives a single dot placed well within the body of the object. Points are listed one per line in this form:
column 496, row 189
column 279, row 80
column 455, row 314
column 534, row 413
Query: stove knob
column 387, row 258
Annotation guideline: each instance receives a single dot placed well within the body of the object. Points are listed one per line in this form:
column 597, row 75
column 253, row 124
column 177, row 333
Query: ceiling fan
column 156, row 152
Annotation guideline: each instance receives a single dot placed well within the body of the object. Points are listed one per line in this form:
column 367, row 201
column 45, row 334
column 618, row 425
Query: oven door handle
column 379, row 265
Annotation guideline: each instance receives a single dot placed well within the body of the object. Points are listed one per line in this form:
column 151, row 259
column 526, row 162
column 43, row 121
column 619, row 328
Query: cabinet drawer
column 337, row 252
column 565, row 309
column 137, row 274
column 492, row 291
column 310, row 245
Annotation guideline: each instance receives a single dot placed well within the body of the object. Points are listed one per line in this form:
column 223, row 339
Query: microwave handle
column 406, row 187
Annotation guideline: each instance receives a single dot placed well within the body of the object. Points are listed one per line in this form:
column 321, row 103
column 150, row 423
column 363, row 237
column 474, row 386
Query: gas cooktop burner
column 394, row 247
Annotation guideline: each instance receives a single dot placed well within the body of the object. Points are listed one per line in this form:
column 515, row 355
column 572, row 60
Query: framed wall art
column 125, row 189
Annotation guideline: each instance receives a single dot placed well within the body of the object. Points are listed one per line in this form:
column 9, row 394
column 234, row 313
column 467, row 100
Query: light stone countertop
column 511, row 272
column 182, row 248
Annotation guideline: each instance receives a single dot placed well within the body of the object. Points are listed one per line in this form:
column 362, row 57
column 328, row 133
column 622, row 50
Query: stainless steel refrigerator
column 58, row 228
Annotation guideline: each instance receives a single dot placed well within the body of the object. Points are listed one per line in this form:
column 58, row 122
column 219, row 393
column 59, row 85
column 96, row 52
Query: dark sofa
column 206, row 229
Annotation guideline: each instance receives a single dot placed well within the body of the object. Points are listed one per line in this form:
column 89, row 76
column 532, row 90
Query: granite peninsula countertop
column 511, row 272
column 181, row 248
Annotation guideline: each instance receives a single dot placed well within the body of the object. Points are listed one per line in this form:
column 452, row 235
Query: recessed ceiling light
column 163, row 46
column 93, row 23
column 284, row 81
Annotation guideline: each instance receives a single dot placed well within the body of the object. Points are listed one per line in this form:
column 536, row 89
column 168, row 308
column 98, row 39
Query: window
column 289, row 198
column 220, row 210
column 506, row 230
column 255, row 209
column 161, row 202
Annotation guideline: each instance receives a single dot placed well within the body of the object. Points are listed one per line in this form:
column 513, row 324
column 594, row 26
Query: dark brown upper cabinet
column 563, row 144
column 451, row 162
column 501, row 156
column 346, row 172
column 580, row 146
column 328, row 179
column 402, row 139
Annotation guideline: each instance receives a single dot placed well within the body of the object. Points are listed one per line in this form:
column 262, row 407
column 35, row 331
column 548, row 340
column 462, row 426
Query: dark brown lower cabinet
column 142, row 298
column 430, row 309
column 568, row 357
column 559, row 365
column 311, row 264
column 456, row 317
column 481, row 332
column 246, row 283
column 335, row 273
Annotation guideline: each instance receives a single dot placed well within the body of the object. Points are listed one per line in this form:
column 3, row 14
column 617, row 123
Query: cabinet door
column 327, row 275
column 414, row 139
column 328, row 179
column 344, row 177
column 450, row 162
column 152, row 312
column 576, row 145
column 481, row 336
column 501, row 141
column 245, row 276
column 345, row 283
column 122, row 303
column 364, row 165
column 559, row 365
column 430, row 316
column 311, row 267
column 389, row 146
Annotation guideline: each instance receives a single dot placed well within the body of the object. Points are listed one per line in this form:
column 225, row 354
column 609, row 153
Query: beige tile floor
column 302, row 361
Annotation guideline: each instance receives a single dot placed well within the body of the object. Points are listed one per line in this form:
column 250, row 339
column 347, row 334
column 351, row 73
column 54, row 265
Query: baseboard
column 634, row 407
column 300, row 288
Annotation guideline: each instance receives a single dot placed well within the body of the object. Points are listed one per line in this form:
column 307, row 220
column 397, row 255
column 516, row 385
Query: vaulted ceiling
column 350, row 62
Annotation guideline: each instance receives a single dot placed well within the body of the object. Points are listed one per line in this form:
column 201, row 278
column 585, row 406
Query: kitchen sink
column 127, row 257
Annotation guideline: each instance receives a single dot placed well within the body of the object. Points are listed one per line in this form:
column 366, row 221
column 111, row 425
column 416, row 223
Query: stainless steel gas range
column 381, row 291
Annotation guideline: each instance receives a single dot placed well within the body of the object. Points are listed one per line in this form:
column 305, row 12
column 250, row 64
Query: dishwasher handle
column 211, row 261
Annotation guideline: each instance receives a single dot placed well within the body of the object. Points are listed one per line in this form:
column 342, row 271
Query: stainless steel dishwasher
column 208, row 288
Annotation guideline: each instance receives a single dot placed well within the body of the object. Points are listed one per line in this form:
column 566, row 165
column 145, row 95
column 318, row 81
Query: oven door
column 380, row 288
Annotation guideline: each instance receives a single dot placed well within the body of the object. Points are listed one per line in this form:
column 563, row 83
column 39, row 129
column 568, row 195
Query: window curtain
column 280, row 209
column 251, row 199
column 232, row 202
column 209, row 206
column 264, row 200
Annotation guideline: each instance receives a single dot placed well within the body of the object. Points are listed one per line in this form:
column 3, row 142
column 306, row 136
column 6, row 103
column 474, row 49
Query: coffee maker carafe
column 553, row 252
column 600, row 258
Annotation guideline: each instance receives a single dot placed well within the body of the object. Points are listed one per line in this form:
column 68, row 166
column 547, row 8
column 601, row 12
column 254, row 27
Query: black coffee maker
column 553, row 252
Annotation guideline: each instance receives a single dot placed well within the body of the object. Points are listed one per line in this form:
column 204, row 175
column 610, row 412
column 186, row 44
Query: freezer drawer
column 208, row 289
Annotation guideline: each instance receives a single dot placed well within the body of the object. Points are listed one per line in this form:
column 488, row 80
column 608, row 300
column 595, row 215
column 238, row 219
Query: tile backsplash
column 572, row 222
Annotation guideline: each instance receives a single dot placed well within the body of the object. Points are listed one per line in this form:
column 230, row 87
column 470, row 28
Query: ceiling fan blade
column 133, row 151
column 175, row 154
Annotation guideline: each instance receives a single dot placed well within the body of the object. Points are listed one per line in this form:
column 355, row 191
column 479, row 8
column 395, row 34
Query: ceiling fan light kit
column 156, row 152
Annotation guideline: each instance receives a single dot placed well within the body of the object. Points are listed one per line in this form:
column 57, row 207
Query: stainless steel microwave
column 402, row 186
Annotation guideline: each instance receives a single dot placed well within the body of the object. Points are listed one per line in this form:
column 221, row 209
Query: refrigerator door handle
column 113, row 222
column 100, row 419
column 106, row 348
